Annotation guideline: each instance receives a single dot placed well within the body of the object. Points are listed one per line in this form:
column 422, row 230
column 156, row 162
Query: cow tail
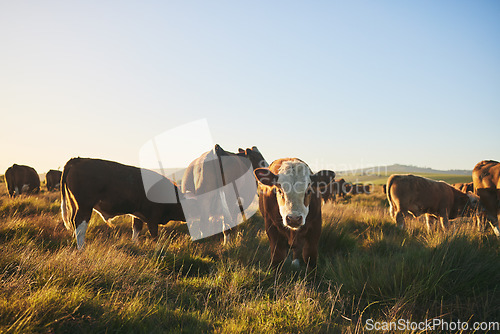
column 65, row 198
column 388, row 193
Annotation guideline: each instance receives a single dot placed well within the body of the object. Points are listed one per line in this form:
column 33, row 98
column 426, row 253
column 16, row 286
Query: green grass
column 368, row 269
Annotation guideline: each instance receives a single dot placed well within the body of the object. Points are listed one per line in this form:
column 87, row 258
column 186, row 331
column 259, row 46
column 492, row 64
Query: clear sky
column 339, row 84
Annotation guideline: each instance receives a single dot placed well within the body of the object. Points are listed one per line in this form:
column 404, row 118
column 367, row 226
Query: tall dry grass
column 368, row 269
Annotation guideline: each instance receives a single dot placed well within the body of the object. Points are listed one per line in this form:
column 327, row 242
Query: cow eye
column 279, row 191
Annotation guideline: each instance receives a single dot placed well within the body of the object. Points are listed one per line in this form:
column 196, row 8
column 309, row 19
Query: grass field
column 379, row 179
column 368, row 269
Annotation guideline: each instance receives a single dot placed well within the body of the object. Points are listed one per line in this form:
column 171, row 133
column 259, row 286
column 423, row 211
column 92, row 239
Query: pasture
column 367, row 269
column 379, row 179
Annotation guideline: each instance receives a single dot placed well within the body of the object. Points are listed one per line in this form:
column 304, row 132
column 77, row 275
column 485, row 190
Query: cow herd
column 217, row 191
column 341, row 188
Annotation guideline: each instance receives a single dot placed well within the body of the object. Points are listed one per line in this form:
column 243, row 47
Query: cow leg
column 25, row 188
column 136, row 228
column 480, row 219
column 400, row 219
column 277, row 245
column 227, row 219
column 81, row 221
column 279, row 250
column 310, row 254
column 494, row 213
column 443, row 220
column 489, row 201
column 428, row 219
column 153, row 229
column 297, row 254
column 495, row 226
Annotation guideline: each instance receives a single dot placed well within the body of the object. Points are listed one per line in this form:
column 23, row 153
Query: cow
column 53, row 179
column 469, row 186
column 464, row 187
column 290, row 203
column 416, row 195
column 335, row 188
column 223, row 184
column 486, row 179
column 359, row 188
column 21, row 179
column 113, row 189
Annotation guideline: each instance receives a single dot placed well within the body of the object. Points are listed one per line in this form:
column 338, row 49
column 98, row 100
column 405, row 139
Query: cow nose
column 293, row 220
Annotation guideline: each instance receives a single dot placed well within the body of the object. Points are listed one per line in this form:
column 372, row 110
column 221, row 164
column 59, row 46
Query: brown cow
column 418, row 195
column 290, row 203
column 486, row 178
column 224, row 186
column 53, row 179
column 335, row 188
column 359, row 188
column 114, row 189
column 21, row 179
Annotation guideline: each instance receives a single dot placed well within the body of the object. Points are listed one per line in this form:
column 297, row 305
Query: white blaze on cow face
column 80, row 234
column 292, row 193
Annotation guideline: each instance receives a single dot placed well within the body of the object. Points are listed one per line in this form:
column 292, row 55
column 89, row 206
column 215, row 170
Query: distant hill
column 379, row 174
column 403, row 169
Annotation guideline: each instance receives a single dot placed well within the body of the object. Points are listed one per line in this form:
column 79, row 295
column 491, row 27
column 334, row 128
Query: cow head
column 255, row 157
column 473, row 198
column 465, row 205
column 294, row 186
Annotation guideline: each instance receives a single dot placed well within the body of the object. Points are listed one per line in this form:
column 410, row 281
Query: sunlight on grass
column 368, row 268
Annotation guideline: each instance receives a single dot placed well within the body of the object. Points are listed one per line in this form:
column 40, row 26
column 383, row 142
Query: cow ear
column 265, row 176
column 322, row 179
column 240, row 150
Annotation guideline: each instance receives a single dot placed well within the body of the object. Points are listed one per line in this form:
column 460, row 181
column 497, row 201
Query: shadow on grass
column 399, row 272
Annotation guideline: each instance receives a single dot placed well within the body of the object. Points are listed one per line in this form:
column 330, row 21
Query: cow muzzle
column 294, row 221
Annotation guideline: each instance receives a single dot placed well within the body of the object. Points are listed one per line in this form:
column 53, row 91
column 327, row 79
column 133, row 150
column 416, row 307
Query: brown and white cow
column 53, row 179
column 486, row 178
column 290, row 202
column 224, row 186
column 21, row 179
column 113, row 189
column 416, row 195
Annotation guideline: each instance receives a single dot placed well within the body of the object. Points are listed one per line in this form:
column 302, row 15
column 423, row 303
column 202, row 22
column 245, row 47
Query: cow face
column 294, row 186
column 473, row 198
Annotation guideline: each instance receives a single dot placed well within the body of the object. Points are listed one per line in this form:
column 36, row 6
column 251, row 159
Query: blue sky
column 339, row 84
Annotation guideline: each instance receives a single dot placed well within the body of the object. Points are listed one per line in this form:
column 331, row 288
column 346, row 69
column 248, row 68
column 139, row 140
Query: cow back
column 486, row 174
